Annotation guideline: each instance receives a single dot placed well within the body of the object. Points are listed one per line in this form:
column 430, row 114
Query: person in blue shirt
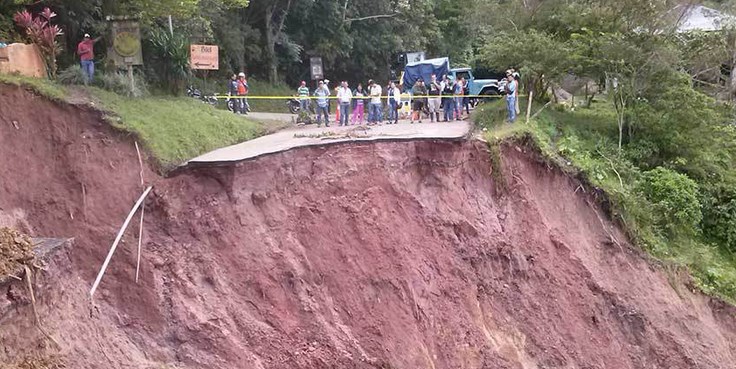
column 511, row 88
column 322, row 92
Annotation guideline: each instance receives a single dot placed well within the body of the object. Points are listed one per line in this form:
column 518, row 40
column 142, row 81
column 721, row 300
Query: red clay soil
column 372, row 255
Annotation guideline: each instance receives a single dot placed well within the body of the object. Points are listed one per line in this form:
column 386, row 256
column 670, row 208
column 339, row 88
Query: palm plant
column 170, row 57
column 43, row 34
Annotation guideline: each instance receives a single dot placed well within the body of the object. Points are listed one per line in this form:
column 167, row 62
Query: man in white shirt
column 511, row 88
column 394, row 103
column 375, row 113
column 344, row 97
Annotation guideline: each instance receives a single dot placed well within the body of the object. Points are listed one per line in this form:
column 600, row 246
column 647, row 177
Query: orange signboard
column 204, row 57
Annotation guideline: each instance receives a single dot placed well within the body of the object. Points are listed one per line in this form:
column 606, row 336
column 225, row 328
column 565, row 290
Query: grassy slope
column 173, row 129
column 581, row 142
column 176, row 129
column 41, row 86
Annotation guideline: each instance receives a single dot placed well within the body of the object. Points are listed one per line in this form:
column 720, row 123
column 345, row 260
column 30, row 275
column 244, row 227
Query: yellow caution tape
column 354, row 98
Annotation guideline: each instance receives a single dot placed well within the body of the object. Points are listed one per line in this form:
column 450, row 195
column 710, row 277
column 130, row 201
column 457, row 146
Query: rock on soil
column 372, row 255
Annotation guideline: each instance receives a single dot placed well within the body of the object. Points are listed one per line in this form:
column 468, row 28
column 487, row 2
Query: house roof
column 703, row 18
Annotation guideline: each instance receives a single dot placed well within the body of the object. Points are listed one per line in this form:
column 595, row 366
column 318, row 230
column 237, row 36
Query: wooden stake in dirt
column 33, row 304
column 143, row 211
column 529, row 107
column 117, row 240
column 140, row 241
column 140, row 161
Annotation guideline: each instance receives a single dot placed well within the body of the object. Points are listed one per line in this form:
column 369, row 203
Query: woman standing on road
column 358, row 104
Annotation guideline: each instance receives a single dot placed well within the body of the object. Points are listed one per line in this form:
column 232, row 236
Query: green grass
column 176, row 129
column 584, row 143
column 41, row 86
column 258, row 88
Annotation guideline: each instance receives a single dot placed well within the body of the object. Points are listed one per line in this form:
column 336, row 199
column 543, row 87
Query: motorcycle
column 295, row 106
column 195, row 93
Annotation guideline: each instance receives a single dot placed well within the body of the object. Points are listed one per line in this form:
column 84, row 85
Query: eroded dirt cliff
column 371, row 255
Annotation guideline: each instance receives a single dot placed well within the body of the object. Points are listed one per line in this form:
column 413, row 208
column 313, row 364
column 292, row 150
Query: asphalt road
column 315, row 136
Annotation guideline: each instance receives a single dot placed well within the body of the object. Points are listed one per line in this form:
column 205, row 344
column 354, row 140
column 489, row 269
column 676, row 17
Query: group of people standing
column 444, row 98
column 447, row 97
column 351, row 100
column 238, row 86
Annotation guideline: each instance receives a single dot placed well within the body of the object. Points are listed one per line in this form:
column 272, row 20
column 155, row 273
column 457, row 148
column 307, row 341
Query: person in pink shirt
column 86, row 52
column 359, row 104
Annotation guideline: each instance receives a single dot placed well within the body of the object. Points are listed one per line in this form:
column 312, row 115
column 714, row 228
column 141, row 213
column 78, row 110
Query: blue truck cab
column 487, row 87
column 441, row 67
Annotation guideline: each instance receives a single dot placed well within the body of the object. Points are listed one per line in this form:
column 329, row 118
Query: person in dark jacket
column 232, row 90
column 448, row 100
column 419, row 98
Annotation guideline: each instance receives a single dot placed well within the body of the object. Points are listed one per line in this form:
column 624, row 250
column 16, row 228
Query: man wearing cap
column 86, row 52
column 375, row 113
column 344, row 98
column 322, row 93
column 327, row 86
column 511, row 88
column 303, row 92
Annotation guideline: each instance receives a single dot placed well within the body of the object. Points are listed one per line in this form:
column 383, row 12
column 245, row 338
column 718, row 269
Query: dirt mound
column 16, row 250
column 374, row 255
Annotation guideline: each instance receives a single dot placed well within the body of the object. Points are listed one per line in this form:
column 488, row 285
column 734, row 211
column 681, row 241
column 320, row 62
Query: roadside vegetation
column 173, row 129
column 681, row 211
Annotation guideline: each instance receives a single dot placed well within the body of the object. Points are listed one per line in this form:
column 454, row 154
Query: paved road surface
column 315, row 136
column 274, row 117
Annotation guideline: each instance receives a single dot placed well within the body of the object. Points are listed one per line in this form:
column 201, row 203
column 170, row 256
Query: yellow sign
column 204, row 57
column 126, row 42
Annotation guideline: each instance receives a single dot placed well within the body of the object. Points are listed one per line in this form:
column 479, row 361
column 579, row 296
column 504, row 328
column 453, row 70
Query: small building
column 703, row 18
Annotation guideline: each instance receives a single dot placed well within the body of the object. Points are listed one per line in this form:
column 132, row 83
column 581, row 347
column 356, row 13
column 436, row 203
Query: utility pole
column 171, row 26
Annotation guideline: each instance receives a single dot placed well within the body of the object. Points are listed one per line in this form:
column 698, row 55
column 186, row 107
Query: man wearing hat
column 86, row 52
column 322, row 93
column 511, row 88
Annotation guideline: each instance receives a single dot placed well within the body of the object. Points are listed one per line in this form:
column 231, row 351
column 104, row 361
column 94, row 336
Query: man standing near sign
column 86, row 52
column 344, row 98
column 322, row 93
column 303, row 92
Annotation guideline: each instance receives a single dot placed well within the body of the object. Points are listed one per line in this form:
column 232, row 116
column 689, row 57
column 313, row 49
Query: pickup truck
column 440, row 67
column 487, row 87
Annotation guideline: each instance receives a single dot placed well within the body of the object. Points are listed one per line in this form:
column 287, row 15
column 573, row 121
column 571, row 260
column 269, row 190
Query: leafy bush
column 120, row 84
column 675, row 199
column 719, row 215
column 71, row 76
column 675, row 128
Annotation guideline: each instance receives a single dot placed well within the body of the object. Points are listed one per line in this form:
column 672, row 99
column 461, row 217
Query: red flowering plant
column 43, row 34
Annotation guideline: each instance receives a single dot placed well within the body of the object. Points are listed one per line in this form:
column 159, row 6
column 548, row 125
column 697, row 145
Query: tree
column 540, row 57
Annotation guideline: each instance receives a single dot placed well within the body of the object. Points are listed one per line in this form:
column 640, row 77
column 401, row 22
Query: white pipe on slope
column 117, row 240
